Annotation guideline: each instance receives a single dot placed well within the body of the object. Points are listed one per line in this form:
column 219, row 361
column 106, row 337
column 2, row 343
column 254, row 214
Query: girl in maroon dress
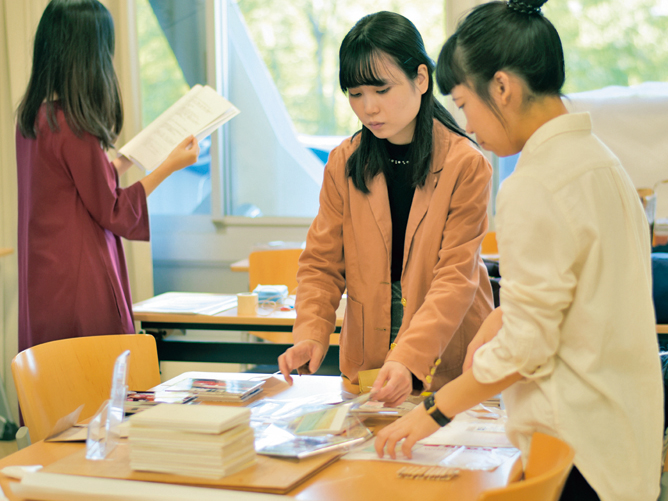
column 73, row 279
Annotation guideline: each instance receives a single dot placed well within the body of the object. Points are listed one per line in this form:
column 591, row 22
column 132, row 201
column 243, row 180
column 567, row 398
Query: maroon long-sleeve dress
column 73, row 279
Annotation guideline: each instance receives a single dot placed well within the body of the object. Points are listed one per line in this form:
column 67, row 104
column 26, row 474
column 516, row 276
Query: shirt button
column 393, row 346
column 433, row 371
column 438, row 362
column 403, row 301
column 428, row 379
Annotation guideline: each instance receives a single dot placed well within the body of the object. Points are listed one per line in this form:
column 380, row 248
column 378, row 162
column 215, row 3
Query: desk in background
column 240, row 266
column 341, row 481
column 185, row 349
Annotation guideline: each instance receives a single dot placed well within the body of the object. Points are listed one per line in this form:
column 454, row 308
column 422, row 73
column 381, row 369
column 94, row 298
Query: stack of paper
column 218, row 390
column 136, row 401
column 275, row 293
column 208, row 441
column 187, row 303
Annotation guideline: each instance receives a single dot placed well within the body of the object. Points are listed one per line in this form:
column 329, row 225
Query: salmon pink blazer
column 445, row 287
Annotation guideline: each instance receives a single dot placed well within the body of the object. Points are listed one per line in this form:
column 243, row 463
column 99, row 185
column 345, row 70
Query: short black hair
column 73, row 62
column 366, row 46
column 495, row 36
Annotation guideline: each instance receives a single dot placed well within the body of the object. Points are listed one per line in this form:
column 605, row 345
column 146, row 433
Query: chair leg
column 23, row 437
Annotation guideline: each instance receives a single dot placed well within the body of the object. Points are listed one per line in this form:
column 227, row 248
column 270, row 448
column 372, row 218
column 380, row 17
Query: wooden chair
column 550, row 462
column 53, row 379
column 277, row 267
column 274, row 267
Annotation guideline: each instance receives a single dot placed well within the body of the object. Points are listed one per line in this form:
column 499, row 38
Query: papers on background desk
column 187, row 303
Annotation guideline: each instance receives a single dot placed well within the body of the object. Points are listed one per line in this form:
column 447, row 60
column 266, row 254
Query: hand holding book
column 201, row 111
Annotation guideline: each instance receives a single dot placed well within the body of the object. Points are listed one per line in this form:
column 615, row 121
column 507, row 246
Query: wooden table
column 342, row 480
column 183, row 348
column 240, row 266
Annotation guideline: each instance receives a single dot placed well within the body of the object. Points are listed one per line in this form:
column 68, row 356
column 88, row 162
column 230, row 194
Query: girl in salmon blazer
column 403, row 211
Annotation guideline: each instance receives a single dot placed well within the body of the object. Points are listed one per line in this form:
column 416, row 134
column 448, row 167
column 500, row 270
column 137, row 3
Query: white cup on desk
column 247, row 304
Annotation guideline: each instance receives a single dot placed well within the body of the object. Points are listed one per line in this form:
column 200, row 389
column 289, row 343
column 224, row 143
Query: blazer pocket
column 352, row 332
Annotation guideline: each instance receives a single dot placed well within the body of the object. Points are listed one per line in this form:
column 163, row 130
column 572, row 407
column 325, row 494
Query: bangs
column 449, row 70
column 359, row 66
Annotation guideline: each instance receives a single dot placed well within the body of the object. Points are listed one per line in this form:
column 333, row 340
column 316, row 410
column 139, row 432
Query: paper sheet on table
column 57, row 487
column 481, row 426
column 471, row 432
column 465, row 458
column 79, row 433
column 65, row 423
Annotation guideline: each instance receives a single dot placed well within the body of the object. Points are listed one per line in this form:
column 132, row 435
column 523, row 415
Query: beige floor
column 7, row 448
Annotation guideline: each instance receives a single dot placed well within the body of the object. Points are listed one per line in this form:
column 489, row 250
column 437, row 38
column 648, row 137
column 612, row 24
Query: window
column 608, row 42
column 172, row 49
column 280, row 67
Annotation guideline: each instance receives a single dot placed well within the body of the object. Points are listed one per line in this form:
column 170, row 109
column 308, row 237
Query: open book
column 201, row 111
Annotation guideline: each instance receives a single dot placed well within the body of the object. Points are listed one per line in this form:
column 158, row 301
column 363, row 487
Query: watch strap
column 434, row 412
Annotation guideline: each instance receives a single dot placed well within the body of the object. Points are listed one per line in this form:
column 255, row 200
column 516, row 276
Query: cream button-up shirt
column 578, row 319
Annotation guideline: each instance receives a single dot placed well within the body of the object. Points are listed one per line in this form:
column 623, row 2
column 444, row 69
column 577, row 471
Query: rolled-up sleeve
column 538, row 254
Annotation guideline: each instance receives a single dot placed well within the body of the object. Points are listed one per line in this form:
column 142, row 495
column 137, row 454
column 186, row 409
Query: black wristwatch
column 432, row 410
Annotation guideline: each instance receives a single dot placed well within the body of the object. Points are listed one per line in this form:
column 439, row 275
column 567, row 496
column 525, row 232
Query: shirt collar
column 563, row 124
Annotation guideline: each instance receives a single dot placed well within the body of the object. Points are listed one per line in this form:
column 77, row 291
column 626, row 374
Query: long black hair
column 362, row 50
column 512, row 36
column 72, row 62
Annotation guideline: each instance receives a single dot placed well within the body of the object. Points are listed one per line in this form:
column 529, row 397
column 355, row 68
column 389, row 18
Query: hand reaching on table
column 306, row 356
column 414, row 426
column 393, row 384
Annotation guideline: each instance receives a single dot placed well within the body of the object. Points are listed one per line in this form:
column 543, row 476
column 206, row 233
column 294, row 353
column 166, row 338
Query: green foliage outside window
column 299, row 42
column 162, row 81
column 611, row 42
column 606, row 42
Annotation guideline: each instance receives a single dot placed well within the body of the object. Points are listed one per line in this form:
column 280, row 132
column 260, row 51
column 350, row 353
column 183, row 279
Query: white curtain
column 18, row 22
column 126, row 60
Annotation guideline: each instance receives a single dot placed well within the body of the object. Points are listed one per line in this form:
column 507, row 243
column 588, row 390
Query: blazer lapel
column 421, row 200
column 423, row 195
column 380, row 208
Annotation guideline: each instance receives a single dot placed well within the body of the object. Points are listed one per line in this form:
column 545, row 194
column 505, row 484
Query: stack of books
column 209, row 441
column 137, row 401
column 218, row 390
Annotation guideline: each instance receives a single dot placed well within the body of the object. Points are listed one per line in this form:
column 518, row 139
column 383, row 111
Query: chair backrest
column 274, row 267
column 53, row 379
column 489, row 245
column 550, row 462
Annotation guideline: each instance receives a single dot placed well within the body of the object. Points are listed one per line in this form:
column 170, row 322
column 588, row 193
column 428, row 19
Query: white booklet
column 210, row 419
column 187, row 303
column 201, row 111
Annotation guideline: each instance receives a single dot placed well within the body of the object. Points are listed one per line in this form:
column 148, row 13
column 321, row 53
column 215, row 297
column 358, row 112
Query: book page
column 199, row 113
